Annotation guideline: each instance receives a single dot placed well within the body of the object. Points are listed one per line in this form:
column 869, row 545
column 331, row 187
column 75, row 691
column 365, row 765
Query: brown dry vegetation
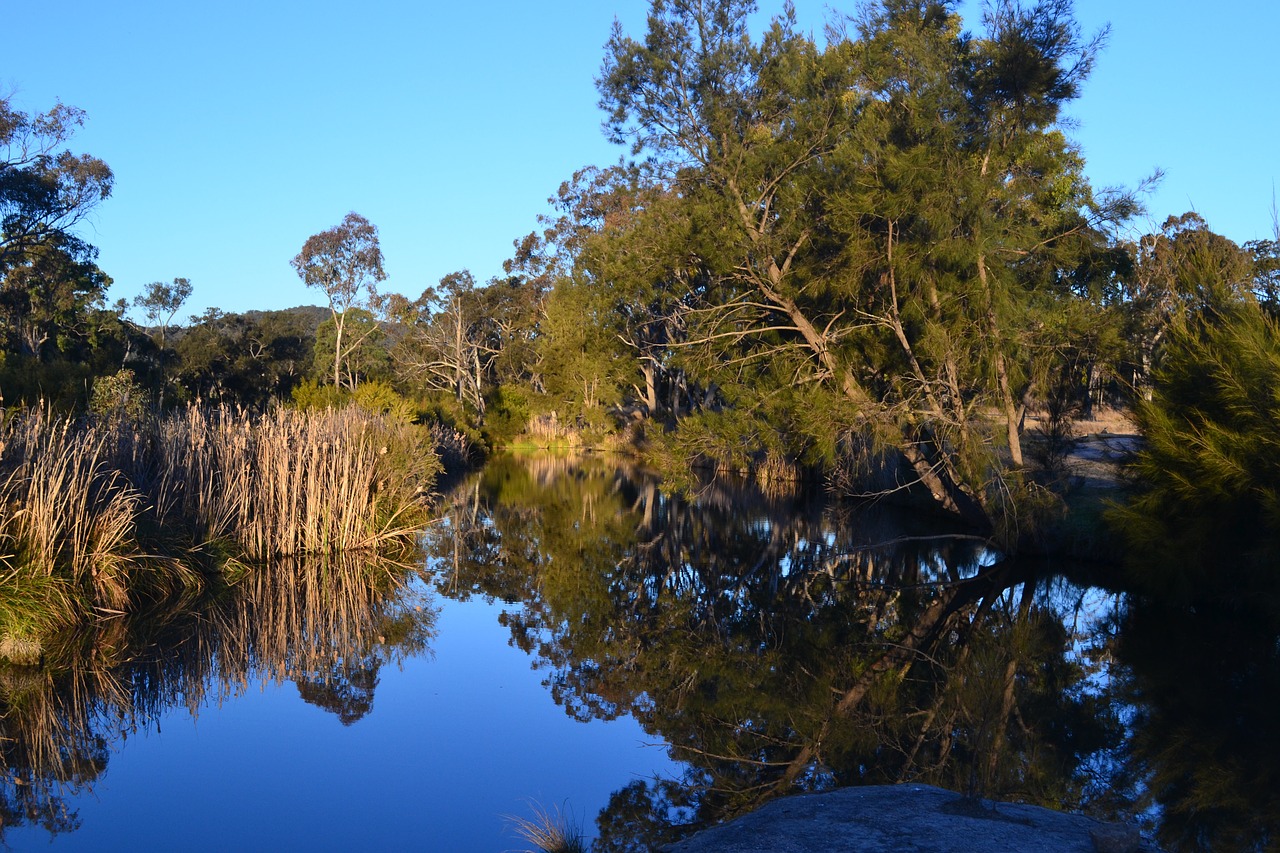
column 96, row 515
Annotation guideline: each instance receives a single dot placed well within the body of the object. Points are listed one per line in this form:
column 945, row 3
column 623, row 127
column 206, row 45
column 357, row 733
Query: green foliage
column 310, row 395
column 244, row 359
column 33, row 607
column 345, row 262
column 46, row 189
column 160, row 302
column 119, row 399
column 507, row 414
column 583, row 365
column 365, row 355
column 443, row 410
column 871, row 230
column 381, row 399
column 1210, row 470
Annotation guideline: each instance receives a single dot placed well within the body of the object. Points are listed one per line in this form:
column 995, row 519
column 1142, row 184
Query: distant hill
column 311, row 315
column 305, row 319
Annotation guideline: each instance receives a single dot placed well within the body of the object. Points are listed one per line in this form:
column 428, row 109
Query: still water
column 578, row 641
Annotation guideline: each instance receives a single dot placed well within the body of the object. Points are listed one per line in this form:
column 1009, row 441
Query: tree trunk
column 1010, row 409
column 338, row 320
column 650, row 371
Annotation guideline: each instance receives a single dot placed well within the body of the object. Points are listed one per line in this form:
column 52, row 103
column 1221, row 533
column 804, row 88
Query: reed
column 308, row 482
column 68, row 511
column 115, row 510
column 550, row 831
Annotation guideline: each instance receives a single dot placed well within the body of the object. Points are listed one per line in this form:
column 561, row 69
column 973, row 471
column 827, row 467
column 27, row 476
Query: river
column 574, row 640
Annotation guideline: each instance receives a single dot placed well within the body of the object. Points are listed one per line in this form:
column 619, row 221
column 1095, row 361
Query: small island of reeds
column 103, row 515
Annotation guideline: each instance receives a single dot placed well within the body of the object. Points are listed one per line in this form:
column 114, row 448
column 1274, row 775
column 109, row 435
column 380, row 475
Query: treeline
column 867, row 257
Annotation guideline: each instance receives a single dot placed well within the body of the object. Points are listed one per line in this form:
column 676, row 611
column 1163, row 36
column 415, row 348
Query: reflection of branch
column 735, row 759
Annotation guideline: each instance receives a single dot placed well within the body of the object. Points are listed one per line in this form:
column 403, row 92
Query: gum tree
column 346, row 263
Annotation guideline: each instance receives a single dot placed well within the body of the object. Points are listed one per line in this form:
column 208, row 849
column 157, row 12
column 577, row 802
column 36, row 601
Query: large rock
column 908, row 819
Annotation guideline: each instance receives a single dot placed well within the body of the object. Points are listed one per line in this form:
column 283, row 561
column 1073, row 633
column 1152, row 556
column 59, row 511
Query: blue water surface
column 459, row 740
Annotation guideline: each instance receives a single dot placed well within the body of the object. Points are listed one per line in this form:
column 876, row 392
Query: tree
column 49, row 284
column 245, row 359
column 1180, row 268
column 871, row 223
column 45, row 190
column 619, row 243
column 346, row 263
column 48, row 293
column 1209, row 473
column 160, row 302
column 446, row 342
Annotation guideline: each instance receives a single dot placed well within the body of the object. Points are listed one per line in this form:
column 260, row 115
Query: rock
column 1116, row 838
column 905, row 819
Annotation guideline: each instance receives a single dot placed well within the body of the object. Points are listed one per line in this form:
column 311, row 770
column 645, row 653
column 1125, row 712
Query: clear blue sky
column 237, row 129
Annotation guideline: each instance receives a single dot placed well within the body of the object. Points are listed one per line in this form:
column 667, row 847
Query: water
column 458, row 735
column 576, row 640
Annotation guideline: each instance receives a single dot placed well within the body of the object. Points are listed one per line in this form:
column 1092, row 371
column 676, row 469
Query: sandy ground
column 1102, row 444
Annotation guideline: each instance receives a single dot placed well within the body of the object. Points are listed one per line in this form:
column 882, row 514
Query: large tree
column 45, row 190
column 50, row 285
column 864, row 229
column 346, row 263
column 48, row 293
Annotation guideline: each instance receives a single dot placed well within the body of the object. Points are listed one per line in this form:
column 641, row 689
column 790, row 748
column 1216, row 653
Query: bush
column 507, row 416
column 1207, row 515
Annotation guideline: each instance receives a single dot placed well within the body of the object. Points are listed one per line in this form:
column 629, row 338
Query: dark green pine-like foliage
column 1207, row 521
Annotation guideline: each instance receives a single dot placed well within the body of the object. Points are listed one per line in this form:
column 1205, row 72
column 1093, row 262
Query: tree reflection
column 777, row 645
column 1204, row 681
column 328, row 626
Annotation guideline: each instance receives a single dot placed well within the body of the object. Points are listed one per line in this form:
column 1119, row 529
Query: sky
column 239, row 128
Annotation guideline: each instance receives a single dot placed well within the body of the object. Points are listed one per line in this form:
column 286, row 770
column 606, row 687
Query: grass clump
column 550, row 831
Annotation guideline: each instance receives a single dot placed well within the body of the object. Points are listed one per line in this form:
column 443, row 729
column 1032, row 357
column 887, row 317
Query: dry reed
column 110, row 507
column 549, row 831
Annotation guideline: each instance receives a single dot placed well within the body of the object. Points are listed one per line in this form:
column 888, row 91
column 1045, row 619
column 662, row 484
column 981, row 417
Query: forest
column 861, row 261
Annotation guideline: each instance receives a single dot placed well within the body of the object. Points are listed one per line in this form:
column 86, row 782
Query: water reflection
column 777, row 645
column 328, row 626
column 783, row 645
column 1204, row 681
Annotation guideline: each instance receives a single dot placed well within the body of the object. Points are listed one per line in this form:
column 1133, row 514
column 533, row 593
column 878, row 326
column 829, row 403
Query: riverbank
column 1088, row 479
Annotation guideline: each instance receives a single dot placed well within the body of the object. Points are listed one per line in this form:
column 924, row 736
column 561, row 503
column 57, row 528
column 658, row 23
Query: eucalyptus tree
column 444, row 341
column 346, row 263
column 48, row 294
column 160, row 302
column 1176, row 270
column 865, row 229
column 50, row 286
column 45, row 189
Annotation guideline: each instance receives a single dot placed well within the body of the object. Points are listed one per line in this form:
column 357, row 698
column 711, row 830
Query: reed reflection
column 326, row 625
column 780, row 645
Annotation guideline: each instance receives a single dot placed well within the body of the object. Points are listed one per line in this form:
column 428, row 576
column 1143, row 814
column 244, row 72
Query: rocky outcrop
column 909, row 819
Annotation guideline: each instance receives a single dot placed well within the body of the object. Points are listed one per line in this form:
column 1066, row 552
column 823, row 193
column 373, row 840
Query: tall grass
column 112, row 509
column 68, row 511
column 297, row 482
column 549, row 831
